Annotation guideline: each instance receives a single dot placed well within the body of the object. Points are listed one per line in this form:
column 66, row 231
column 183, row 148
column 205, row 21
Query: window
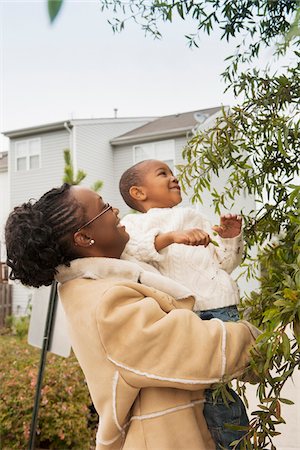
column 162, row 150
column 28, row 154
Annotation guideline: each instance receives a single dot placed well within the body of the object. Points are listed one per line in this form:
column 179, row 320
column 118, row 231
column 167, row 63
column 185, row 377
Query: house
column 36, row 160
column 103, row 148
column 4, row 199
column 163, row 138
column 5, row 288
column 36, row 163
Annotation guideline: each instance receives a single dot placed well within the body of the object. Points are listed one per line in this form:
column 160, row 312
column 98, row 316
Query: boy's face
column 160, row 186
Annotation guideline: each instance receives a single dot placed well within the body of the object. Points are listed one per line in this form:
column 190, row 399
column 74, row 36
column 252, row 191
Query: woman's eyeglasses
column 106, row 208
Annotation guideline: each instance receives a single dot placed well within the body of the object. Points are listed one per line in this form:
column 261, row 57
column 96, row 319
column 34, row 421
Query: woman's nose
column 116, row 211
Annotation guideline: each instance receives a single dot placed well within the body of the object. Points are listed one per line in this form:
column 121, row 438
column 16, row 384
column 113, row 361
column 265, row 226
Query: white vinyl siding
column 125, row 156
column 162, row 150
column 4, row 210
column 28, row 154
column 28, row 184
column 95, row 155
column 31, row 184
column 123, row 159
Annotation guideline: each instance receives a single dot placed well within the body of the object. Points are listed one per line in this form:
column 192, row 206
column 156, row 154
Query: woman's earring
column 92, row 242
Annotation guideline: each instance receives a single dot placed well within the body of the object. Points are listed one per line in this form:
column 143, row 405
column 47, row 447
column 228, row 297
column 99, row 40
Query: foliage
column 294, row 31
column 54, row 7
column 69, row 176
column 257, row 144
column 260, row 23
column 18, row 325
column 97, row 186
column 276, row 309
column 64, row 417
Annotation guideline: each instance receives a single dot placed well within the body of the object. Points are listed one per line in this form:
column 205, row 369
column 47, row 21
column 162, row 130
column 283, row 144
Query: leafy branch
column 257, row 144
column 69, row 176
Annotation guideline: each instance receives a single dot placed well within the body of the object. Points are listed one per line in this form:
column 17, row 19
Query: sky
column 77, row 68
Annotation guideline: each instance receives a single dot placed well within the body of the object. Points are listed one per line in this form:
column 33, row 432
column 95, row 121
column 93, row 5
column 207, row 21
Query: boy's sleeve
column 142, row 237
column 150, row 347
column 229, row 254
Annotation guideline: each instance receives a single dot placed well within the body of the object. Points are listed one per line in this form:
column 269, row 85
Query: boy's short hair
column 131, row 177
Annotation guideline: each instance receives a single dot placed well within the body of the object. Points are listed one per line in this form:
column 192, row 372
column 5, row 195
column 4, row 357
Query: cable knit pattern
column 205, row 271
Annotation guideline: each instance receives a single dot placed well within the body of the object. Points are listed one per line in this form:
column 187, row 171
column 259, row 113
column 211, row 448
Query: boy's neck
column 151, row 206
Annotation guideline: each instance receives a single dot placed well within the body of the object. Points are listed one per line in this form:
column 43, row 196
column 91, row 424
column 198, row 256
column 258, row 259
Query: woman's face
column 104, row 235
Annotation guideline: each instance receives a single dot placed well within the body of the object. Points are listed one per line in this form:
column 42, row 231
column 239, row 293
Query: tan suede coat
column 147, row 358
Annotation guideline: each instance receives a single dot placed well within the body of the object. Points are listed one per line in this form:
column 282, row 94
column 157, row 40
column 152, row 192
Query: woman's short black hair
column 37, row 236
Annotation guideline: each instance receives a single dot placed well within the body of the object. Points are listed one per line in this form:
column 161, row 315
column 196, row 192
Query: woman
column 147, row 357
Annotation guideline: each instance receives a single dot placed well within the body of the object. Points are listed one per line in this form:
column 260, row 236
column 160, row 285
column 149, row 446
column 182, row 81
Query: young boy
column 177, row 242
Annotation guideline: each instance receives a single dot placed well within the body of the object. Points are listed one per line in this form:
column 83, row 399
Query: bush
column 18, row 325
column 65, row 418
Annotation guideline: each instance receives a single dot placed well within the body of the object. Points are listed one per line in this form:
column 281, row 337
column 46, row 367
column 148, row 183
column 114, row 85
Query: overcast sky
column 77, row 68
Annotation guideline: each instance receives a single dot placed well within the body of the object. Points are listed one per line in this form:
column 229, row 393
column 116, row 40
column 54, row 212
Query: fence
column 5, row 295
column 3, row 273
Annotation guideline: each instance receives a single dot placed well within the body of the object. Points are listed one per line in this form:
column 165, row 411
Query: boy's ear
column 138, row 193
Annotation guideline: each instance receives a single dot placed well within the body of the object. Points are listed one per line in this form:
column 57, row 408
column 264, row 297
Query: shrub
column 65, row 417
column 18, row 325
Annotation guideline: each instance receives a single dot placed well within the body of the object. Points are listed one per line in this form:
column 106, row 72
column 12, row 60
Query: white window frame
column 27, row 154
column 154, row 150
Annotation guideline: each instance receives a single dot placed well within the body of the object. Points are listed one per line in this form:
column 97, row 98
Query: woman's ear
column 82, row 240
column 138, row 193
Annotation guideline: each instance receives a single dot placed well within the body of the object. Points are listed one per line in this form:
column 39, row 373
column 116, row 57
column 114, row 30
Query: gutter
column 147, row 137
column 72, row 145
column 35, row 130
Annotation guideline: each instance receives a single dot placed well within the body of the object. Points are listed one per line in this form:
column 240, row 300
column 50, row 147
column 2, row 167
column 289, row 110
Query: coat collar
column 104, row 268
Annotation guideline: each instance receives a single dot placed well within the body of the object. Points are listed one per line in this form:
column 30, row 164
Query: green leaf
column 54, row 7
column 180, row 10
column 286, row 346
column 286, row 401
column 296, row 328
column 97, row 186
column 280, row 145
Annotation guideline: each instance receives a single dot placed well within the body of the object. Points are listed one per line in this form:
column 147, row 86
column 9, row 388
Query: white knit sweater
column 205, row 271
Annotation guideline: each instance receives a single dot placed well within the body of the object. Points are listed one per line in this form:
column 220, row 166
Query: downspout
column 72, row 145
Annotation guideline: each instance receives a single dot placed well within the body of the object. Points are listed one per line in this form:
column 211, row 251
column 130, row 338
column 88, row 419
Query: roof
column 37, row 129
column 166, row 127
column 156, row 128
column 3, row 161
column 56, row 126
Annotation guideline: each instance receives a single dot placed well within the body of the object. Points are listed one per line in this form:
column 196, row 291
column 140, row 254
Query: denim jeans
column 217, row 414
column 227, row 314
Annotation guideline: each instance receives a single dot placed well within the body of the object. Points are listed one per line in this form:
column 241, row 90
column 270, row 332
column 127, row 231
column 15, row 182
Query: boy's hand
column 230, row 226
column 194, row 236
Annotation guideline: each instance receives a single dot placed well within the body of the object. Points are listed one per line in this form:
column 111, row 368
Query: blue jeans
column 217, row 414
column 227, row 314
